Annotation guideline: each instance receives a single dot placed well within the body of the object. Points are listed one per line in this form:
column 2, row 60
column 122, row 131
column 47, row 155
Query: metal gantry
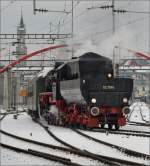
column 36, row 36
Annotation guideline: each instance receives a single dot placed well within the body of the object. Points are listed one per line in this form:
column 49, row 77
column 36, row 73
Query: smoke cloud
column 122, row 38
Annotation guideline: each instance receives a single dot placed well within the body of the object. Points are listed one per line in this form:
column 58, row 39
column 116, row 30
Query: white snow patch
column 9, row 157
column 2, row 110
column 54, row 110
column 83, row 143
column 44, row 72
column 23, row 126
column 138, row 144
column 140, row 112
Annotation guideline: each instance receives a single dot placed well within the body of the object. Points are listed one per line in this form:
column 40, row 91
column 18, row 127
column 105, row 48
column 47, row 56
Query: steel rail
column 101, row 158
column 47, row 156
column 122, row 132
column 119, row 148
column 70, row 150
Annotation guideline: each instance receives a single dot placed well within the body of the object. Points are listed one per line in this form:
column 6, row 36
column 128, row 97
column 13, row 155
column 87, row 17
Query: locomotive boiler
column 84, row 92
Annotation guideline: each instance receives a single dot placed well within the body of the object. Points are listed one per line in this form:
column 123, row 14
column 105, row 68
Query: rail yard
column 75, row 82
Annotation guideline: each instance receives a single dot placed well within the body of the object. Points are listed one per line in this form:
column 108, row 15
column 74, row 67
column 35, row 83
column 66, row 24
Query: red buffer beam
column 25, row 57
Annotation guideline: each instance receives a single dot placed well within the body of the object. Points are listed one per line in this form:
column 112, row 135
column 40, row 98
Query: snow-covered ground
column 83, row 143
column 24, row 126
column 130, row 142
column 136, row 128
column 2, row 110
column 140, row 112
column 11, row 158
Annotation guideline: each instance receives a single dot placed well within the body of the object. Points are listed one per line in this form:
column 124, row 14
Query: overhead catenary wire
column 110, row 29
column 82, row 13
column 65, row 5
column 51, row 11
column 61, row 21
column 129, row 11
column 69, row 12
column 85, row 11
column 74, row 6
column 7, row 6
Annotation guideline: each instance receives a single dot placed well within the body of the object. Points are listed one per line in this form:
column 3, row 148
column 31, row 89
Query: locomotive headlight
column 94, row 111
column 125, row 100
column 126, row 110
column 109, row 75
column 93, row 100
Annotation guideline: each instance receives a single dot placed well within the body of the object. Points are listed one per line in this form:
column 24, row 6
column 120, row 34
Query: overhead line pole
column 34, row 7
column 113, row 15
column 113, row 28
column 149, row 53
column 149, row 76
column 72, row 30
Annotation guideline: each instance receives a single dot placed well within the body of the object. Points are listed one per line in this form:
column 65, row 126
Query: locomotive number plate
column 110, row 87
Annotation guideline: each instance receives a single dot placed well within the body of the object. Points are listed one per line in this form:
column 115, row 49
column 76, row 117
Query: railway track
column 2, row 117
column 65, row 151
column 47, row 156
column 101, row 158
column 71, row 149
column 123, row 132
column 134, row 131
column 12, row 112
column 119, row 148
column 8, row 113
column 138, row 123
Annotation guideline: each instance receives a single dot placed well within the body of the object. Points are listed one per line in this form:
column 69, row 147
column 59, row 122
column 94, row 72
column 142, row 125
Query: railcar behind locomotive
column 84, row 93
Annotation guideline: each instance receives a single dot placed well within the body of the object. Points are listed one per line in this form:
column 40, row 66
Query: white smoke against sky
column 123, row 38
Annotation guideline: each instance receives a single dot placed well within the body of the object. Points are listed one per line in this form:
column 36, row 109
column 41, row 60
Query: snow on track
column 82, row 143
column 74, row 158
column 130, row 142
column 9, row 157
column 136, row 128
column 23, row 126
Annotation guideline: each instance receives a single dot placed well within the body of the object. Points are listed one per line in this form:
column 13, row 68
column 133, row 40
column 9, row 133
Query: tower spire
column 21, row 48
column 21, row 19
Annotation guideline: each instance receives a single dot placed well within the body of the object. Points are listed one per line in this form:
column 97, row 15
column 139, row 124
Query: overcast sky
column 92, row 28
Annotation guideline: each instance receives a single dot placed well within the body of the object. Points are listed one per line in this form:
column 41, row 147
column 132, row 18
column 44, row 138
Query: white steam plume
column 124, row 38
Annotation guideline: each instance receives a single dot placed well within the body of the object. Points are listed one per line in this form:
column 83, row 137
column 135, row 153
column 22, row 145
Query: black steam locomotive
column 82, row 92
